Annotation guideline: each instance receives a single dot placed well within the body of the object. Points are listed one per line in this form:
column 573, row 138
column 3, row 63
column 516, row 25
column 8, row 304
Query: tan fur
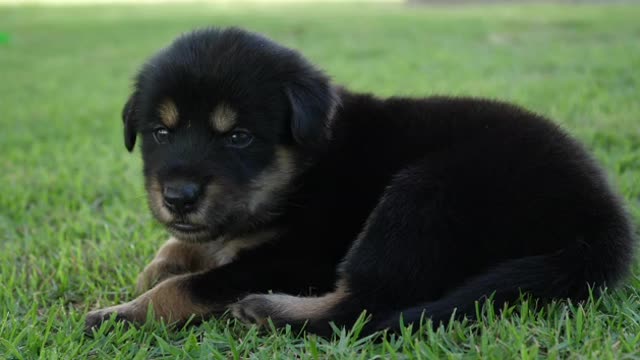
column 155, row 200
column 294, row 307
column 179, row 257
column 272, row 180
column 194, row 256
column 223, row 118
column 169, row 300
column 233, row 246
column 284, row 308
column 168, row 113
column 211, row 196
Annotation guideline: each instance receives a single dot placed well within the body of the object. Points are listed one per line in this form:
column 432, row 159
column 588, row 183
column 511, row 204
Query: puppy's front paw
column 157, row 271
column 96, row 318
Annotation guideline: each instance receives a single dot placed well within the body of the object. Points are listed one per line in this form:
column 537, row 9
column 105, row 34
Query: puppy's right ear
column 129, row 118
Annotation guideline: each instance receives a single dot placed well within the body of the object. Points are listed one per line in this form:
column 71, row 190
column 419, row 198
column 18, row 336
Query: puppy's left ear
column 129, row 118
column 313, row 102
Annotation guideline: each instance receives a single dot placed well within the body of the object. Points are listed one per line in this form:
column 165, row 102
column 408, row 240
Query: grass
column 75, row 231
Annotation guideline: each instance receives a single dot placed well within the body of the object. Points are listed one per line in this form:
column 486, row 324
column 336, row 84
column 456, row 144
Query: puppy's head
column 226, row 119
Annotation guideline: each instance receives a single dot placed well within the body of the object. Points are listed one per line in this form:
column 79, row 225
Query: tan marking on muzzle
column 211, row 193
column 154, row 191
column 272, row 180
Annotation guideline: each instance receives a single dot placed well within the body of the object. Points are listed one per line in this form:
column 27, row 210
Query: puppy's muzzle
column 180, row 196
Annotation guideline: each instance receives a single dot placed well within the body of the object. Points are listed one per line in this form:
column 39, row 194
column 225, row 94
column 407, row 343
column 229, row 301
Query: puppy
column 291, row 199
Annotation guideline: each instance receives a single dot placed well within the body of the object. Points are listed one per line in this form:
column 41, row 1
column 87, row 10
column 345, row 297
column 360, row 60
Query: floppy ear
column 130, row 122
column 313, row 102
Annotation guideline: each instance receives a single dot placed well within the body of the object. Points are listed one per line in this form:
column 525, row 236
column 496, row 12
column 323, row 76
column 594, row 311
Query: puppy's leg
column 415, row 257
column 177, row 257
column 296, row 311
column 210, row 292
column 171, row 300
column 397, row 259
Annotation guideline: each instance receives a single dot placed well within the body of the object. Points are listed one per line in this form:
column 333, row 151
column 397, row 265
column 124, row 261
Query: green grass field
column 75, row 231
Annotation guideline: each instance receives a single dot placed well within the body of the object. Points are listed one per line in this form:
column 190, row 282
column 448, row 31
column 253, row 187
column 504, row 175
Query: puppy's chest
column 226, row 250
column 322, row 218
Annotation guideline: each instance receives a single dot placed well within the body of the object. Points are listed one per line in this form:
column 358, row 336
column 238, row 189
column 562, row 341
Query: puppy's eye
column 239, row 139
column 161, row 135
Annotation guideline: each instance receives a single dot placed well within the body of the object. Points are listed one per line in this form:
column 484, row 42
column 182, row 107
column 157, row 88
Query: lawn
column 75, row 231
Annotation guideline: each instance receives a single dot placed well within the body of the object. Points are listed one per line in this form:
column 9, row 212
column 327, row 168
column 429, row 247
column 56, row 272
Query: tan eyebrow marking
column 223, row 118
column 168, row 113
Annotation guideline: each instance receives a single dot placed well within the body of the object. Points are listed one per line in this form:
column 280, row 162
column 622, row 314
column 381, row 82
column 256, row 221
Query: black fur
column 417, row 205
column 129, row 121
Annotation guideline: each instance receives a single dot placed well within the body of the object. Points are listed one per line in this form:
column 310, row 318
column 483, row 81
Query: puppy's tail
column 567, row 274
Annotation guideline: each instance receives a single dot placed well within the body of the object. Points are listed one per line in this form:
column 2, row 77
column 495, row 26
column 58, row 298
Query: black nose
column 180, row 196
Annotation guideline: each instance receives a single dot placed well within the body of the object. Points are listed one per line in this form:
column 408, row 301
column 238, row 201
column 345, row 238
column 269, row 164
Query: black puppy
column 271, row 179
